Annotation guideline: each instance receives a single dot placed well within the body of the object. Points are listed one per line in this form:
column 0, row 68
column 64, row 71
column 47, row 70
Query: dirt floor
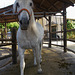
column 55, row 62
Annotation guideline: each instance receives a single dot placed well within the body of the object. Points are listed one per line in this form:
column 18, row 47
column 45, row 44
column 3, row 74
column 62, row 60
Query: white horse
column 30, row 33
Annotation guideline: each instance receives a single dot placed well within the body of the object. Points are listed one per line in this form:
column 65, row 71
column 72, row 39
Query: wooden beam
column 4, row 57
column 50, row 31
column 5, row 39
column 5, row 30
column 64, row 27
column 5, row 44
column 70, row 50
column 14, row 47
column 72, row 40
column 52, row 5
column 42, row 2
column 67, row 2
column 41, row 8
column 45, row 16
column 70, row 30
column 57, row 45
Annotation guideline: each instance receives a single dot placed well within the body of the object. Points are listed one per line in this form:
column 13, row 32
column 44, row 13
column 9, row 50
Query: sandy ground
column 55, row 62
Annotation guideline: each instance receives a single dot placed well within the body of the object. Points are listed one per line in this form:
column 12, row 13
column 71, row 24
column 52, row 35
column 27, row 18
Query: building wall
column 55, row 21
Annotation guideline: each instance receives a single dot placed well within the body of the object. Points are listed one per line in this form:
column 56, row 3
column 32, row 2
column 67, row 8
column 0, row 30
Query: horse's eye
column 30, row 4
column 17, row 4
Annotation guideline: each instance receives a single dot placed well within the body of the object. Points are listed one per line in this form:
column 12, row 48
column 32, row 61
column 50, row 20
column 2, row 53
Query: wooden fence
column 14, row 46
column 61, row 39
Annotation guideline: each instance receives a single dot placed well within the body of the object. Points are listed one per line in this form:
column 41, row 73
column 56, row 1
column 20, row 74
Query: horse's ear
column 14, row 7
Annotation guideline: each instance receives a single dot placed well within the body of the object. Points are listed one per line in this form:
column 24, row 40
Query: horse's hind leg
column 40, row 47
column 40, row 52
column 22, row 63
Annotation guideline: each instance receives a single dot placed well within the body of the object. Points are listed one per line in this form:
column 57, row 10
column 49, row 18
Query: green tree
column 70, row 25
column 13, row 24
column 10, row 25
column 74, row 25
column 2, row 25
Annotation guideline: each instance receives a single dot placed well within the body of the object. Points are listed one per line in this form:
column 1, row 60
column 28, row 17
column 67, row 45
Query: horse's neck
column 33, row 25
column 32, row 20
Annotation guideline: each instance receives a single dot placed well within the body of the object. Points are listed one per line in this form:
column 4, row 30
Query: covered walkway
column 55, row 61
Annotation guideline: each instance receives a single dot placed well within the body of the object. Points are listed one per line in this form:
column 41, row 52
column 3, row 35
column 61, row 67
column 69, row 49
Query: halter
column 24, row 10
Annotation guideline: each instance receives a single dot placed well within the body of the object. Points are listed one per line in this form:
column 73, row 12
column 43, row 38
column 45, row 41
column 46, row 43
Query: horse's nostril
column 20, row 21
column 28, row 22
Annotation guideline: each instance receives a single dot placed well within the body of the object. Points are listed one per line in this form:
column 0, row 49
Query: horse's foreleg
column 35, row 63
column 22, row 63
column 38, row 58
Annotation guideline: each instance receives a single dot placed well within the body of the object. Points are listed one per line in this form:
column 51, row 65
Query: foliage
column 2, row 25
column 74, row 25
column 11, row 25
column 70, row 25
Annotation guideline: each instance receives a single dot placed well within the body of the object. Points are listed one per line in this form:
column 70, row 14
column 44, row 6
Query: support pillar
column 64, row 27
column 14, row 46
column 5, row 30
column 50, row 31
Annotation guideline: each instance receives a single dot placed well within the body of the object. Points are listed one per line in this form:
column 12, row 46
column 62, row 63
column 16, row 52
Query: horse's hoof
column 40, row 61
column 39, row 71
column 35, row 64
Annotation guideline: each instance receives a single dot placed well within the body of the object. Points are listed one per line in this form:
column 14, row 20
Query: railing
column 14, row 48
column 61, row 39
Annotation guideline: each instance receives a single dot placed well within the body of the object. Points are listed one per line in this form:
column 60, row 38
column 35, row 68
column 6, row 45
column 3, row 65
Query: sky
column 70, row 10
column 4, row 3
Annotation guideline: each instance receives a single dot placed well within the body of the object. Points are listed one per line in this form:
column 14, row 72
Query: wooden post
column 2, row 36
column 50, row 31
column 5, row 30
column 64, row 27
column 14, row 47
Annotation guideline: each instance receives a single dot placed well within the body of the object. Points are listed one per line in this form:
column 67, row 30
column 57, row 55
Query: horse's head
column 24, row 10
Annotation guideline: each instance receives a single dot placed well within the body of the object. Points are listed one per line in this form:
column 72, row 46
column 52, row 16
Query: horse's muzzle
column 24, row 28
column 24, row 23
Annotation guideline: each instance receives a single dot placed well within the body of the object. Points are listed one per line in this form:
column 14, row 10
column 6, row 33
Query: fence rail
column 5, row 44
column 4, row 57
column 60, row 39
column 70, row 50
column 57, row 32
column 5, row 39
column 70, row 30
column 14, row 48
column 57, row 45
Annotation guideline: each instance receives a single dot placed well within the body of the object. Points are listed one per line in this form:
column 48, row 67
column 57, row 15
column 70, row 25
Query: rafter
column 73, row 1
column 52, row 5
column 42, row 2
column 41, row 8
column 67, row 2
column 36, row 8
